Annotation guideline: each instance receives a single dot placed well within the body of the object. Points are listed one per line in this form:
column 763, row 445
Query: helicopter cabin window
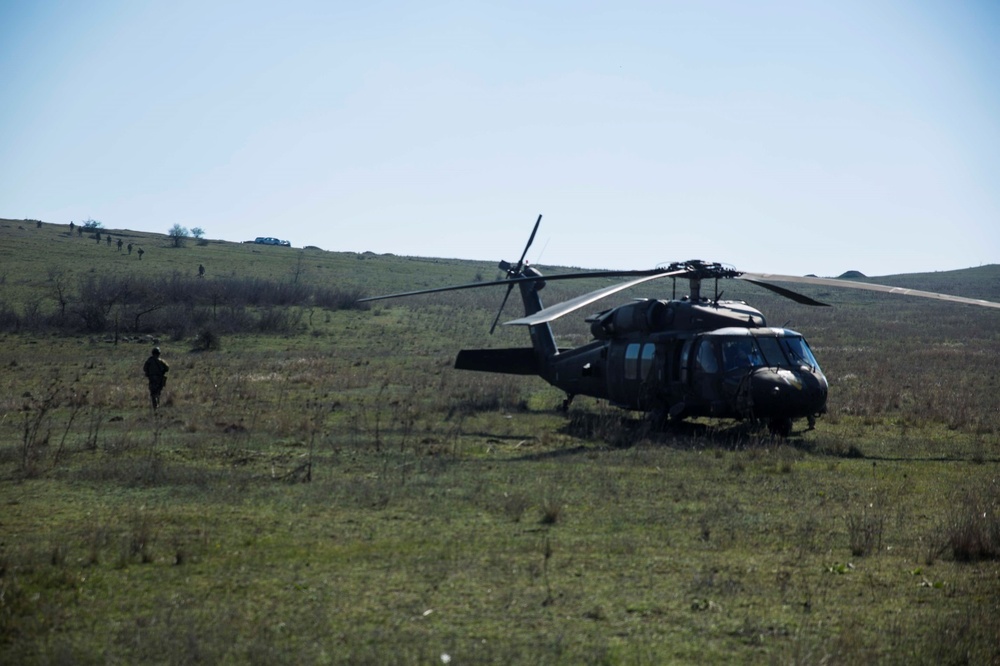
column 706, row 359
column 632, row 361
column 646, row 362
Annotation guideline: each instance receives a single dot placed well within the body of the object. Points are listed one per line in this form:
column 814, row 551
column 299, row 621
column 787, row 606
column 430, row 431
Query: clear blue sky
column 787, row 137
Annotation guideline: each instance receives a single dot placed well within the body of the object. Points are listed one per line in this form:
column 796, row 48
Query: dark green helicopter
column 684, row 357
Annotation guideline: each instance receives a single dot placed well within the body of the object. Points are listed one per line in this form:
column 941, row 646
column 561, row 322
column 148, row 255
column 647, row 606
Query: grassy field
column 320, row 486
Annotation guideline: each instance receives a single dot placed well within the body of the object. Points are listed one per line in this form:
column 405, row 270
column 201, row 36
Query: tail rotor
column 514, row 271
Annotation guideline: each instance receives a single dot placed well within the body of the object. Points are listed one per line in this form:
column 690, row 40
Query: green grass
column 339, row 494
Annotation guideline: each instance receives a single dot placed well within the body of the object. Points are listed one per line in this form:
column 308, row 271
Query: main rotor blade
column 848, row 284
column 583, row 275
column 787, row 293
column 558, row 310
column 500, row 311
column 531, row 239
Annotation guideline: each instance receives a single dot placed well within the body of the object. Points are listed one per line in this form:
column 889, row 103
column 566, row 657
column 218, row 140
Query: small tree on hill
column 197, row 232
column 178, row 234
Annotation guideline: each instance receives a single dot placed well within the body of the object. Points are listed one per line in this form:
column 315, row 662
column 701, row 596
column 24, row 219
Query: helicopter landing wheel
column 780, row 427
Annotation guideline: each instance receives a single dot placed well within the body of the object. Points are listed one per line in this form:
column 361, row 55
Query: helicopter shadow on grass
column 606, row 432
column 625, row 431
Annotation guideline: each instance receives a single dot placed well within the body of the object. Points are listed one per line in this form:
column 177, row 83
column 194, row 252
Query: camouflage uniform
column 155, row 370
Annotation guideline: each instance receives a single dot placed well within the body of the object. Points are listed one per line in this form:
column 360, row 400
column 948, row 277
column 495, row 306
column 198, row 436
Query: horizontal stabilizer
column 516, row 361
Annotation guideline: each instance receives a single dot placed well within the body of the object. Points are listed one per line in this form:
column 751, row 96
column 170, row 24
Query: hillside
column 38, row 261
column 29, row 252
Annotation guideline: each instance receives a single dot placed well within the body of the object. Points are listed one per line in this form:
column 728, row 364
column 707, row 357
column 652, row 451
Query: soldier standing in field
column 155, row 370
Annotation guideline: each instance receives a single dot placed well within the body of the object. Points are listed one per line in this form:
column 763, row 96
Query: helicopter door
column 650, row 374
column 680, row 370
column 631, row 368
column 617, row 370
column 705, row 376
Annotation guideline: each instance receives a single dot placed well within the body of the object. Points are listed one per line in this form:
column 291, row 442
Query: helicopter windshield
column 798, row 352
column 740, row 353
column 754, row 351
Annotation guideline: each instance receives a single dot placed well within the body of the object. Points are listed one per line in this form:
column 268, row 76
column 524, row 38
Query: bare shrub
column 339, row 299
column 179, row 303
column 9, row 319
column 865, row 529
column 279, row 320
column 234, row 319
column 972, row 532
column 551, row 510
column 514, row 505
column 207, row 340
column 138, row 540
column 483, row 393
column 37, row 427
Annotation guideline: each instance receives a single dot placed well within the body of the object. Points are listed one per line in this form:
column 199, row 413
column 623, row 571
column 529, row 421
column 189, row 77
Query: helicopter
column 693, row 356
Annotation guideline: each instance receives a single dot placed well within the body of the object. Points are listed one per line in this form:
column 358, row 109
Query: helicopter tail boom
column 514, row 361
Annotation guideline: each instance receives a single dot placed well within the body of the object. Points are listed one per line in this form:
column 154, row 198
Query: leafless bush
column 37, row 426
column 138, row 540
column 973, row 528
column 551, row 511
column 279, row 320
column 207, row 340
column 339, row 299
column 176, row 303
column 9, row 319
column 865, row 529
column 513, row 505
column 477, row 392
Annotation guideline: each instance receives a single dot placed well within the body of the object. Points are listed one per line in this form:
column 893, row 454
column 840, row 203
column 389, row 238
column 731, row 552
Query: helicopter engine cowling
column 642, row 316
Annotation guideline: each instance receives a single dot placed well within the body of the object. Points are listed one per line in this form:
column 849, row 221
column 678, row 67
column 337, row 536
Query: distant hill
column 978, row 282
column 851, row 275
column 38, row 259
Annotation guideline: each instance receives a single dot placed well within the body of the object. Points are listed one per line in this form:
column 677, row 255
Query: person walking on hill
column 155, row 370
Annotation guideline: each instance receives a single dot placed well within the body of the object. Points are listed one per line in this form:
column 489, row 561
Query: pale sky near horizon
column 783, row 137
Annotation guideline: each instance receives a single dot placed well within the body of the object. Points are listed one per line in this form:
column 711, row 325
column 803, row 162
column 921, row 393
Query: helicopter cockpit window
column 741, row 353
column 771, row 348
column 798, row 352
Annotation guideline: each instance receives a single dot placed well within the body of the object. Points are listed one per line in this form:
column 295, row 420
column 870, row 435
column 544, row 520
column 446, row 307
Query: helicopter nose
column 782, row 392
